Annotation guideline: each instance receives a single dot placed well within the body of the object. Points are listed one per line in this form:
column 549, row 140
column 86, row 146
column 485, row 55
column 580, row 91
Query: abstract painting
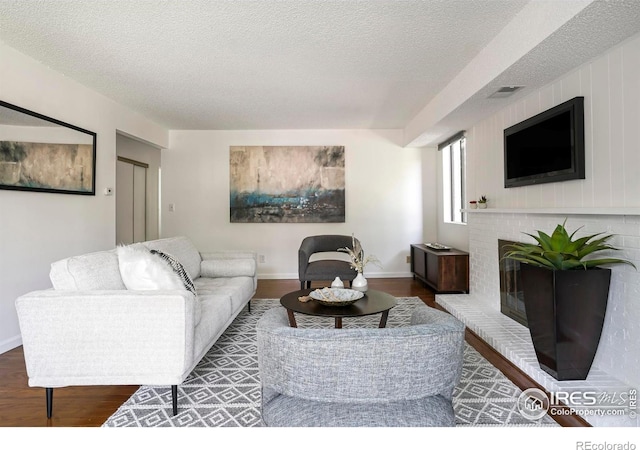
column 47, row 167
column 272, row 184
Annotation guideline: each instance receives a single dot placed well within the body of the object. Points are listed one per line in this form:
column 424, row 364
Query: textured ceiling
column 202, row 64
column 272, row 64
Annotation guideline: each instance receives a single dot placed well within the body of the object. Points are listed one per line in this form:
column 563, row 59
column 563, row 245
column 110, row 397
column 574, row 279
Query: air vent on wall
column 505, row 91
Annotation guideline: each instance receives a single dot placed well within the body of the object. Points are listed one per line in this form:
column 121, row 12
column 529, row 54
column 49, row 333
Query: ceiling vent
column 505, row 91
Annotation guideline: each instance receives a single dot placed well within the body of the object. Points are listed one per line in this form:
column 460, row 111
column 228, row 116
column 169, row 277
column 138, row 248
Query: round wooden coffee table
column 373, row 302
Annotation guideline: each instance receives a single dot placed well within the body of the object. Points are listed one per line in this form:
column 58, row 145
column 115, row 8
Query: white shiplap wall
column 610, row 85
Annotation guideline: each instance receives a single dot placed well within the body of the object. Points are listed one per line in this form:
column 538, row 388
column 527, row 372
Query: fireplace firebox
column 511, row 295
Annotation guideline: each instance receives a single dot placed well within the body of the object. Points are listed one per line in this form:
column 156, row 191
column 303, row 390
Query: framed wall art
column 295, row 184
column 38, row 153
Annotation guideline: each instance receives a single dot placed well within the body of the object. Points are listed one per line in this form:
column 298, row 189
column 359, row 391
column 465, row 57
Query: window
column 453, row 178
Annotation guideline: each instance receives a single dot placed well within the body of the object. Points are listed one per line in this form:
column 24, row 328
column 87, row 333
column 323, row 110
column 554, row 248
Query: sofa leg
column 301, row 285
column 174, row 398
column 249, row 306
column 49, row 395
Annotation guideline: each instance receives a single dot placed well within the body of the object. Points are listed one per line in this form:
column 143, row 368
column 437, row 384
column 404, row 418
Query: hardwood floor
column 90, row 406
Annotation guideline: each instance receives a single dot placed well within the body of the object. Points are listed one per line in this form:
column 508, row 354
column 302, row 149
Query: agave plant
column 560, row 251
column 358, row 261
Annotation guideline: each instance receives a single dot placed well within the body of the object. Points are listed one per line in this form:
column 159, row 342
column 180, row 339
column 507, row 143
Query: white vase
column 482, row 205
column 337, row 283
column 360, row 283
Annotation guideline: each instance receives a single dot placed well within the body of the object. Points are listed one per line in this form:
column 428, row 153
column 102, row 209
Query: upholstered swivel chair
column 323, row 269
column 355, row 377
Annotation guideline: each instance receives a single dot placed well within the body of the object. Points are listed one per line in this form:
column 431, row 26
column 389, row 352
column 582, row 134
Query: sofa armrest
column 107, row 337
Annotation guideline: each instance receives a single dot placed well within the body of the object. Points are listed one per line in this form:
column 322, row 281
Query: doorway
column 137, row 190
column 131, row 207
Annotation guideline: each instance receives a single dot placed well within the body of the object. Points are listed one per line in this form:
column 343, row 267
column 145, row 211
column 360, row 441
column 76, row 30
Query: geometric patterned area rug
column 224, row 388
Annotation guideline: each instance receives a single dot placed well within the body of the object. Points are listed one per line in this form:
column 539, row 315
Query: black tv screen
column 546, row 148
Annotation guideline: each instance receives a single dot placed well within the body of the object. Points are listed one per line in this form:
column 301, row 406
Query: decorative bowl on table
column 336, row 296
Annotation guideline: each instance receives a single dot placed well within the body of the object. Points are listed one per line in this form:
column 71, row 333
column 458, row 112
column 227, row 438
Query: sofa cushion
column 238, row 289
column 142, row 270
column 182, row 249
column 91, row 271
column 214, row 268
column 216, row 313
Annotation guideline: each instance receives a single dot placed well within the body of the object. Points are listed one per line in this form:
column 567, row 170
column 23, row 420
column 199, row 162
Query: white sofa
column 91, row 330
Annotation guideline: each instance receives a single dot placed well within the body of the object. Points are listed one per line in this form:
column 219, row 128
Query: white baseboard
column 10, row 344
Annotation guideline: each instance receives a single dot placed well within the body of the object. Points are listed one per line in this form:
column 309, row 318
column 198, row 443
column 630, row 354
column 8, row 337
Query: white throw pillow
column 143, row 271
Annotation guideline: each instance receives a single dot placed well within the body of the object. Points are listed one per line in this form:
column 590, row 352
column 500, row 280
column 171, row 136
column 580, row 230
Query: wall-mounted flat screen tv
column 546, row 148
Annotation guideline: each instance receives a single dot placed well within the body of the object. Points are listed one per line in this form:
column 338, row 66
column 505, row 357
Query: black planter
column 565, row 313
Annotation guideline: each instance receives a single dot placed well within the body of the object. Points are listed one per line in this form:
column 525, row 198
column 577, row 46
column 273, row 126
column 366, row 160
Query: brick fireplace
column 617, row 362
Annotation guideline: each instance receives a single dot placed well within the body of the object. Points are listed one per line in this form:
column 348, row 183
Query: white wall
column 383, row 196
column 39, row 228
column 610, row 85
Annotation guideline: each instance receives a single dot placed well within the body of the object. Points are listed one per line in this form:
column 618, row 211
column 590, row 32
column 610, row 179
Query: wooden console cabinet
column 442, row 270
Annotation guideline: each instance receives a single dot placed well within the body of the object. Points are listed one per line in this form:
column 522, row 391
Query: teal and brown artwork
column 287, row 184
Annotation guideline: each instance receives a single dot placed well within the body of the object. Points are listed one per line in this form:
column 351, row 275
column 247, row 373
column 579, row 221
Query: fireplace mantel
column 572, row 211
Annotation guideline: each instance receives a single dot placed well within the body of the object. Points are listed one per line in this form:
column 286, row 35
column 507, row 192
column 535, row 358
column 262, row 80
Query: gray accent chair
column 360, row 377
column 323, row 269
